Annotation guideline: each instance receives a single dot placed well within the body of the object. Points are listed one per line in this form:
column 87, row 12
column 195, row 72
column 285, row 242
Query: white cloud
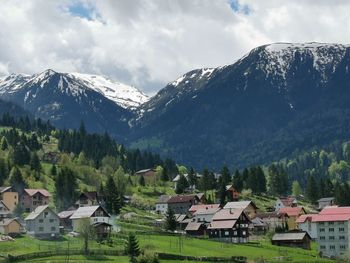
column 150, row 43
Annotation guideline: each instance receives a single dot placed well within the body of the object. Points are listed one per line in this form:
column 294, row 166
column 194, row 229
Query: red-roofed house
column 230, row 225
column 32, row 198
column 308, row 224
column 293, row 213
column 194, row 208
column 285, row 202
column 180, row 204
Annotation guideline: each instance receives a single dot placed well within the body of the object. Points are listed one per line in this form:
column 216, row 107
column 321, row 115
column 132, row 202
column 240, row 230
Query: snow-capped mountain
column 67, row 98
column 274, row 100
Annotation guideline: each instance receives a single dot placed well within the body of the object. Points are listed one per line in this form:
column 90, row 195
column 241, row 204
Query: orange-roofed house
column 32, row 198
column 229, row 225
column 293, row 214
column 307, row 224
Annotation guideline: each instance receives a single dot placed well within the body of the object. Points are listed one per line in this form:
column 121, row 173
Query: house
column 162, row 204
column 96, row 214
column 43, row 222
column 230, row 225
column 182, row 221
column 10, row 227
column 65, row 221
column 102, row 230
column 293, row 214
column 205, row 215
column 285, row 202
column 202, row 198
column 180, row 204
column 88, row 199
column 9, row 197
column 307, row 224
column 32, row 198
column 292, row 239
column 194, row 208
column 4, row 210
column 323, row 202
column 232, row 191
column 274, row 219
column 248, row 206
column 146, row 172
column 333, row 231
column 177, row 178
column 259, row 226
column 195, row 229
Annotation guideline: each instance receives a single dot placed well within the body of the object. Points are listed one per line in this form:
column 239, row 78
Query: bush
column 148, row 258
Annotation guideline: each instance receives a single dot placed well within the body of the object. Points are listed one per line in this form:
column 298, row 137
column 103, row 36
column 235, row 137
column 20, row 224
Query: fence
column 167, row 256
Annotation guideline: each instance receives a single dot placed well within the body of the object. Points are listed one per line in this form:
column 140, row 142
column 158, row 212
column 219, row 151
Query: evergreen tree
column 113, row 201
column 311, row 189
column 4, row 143
column 328, row 188
column 35, row 162
column 132, row 247
column 205, row 181
column 164, row 176
column 278, row 180
column 237, row 181
column 181, row 185
column 16, row 180
column 192, row 177
column 296, row 189
column 222, row 194
column 53, row 170
column 21, row 154
column 261, row 180
column 3, row 171
column 142, row 180
column 66, row 186
column 170, row 221
column 225, row 177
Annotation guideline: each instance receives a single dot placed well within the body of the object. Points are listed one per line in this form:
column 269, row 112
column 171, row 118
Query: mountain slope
column 66, row 99
column 276, row 100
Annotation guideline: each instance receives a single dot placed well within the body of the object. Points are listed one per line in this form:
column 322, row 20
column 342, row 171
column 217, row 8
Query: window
column 235, row 233
column 41, row 229
column 330, row 223
column 53, row 229
column 227, row 233
column 341, row 237
column 331, row 237
column 52, row 220
column 41, row 220
column 243, row 233
column 332, row 247
column 322, row 238
column 341, row 223
column 342, row 247
column 46, row 214
column 321, row 229
column 341, row 229
column 321, row 223
column 331, row 229
column 322, row 247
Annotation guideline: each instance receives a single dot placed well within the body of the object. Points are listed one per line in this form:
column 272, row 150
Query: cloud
column 149, row 43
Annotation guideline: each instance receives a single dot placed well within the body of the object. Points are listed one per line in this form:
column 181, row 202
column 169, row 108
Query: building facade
column 33, row 198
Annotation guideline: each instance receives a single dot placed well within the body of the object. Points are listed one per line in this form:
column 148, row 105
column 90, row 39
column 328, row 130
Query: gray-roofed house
column 98, row 218
column 180, row 204
column 323, row 202
column 248, row 206
column 43, row 222
column 162, row 204
column 65, row 221
column 195, row 229
column 292, row 239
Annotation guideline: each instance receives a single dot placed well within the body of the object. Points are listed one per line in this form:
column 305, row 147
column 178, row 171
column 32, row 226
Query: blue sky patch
column 239, row 8
column 78, row 8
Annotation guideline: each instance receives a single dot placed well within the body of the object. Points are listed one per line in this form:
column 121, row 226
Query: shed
column 195, row 229
column 292, row 239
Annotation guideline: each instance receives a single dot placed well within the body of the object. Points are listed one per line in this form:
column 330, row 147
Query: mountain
column 67, row 98
column 275, row 101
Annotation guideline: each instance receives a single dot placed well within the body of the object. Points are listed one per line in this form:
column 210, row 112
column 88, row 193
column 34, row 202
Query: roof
column 4, row 205
column 326, row 199
column 32, row 192
column 145, row 171
column 273, row 214
column 287, row 201
column 292, row 211
column 222, row 224
column 8, row 221
column 163, row 199
column 65, row 214
column 257, row 221
column 177, row 177
column 200, row 195
column 333, row 213
column 193, row 226
column 289, row 236
column 239, row 204
column 194, row 208
column 227, row 214
column 181, row 199
column 92, row 195
column 5, row 188
column 308, row 217
column 210, row 211
column 86, row 211
column 335, row 210
column 101, row 224
column 38, row 211
column 180, row 217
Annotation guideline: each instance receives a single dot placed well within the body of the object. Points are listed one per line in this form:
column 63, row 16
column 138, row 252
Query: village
column 238, row 221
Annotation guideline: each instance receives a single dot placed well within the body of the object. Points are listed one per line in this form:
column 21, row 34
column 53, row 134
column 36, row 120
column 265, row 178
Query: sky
column 149, row 43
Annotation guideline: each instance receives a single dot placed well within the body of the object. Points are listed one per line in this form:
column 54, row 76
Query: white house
column 205, row 215
column 285, row 202
column 162, row 204
column 323, row 202
column 308, row 224
column 97, row 214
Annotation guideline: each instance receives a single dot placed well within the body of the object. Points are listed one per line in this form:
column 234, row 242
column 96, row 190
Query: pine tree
column 237, row 181
column 261, row 180
column 142, row 180
column 170, row 221
column 16, row 180
column 225, row 177
column 53, row 170
column 35, row 162
column 132, row 247
column 113, row 198
column 222, row 194
column 311, row 189
column 3, row 171
column 192, row 177
column 164, row 176
column 181, row 185
column 4, row 143
column 66, row 186
column 205, row 181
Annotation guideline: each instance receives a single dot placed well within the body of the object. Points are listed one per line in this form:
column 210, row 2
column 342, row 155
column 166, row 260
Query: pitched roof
column 227, row 214
column 333, row 213
column 5, row 188
column 92, row 195
column 180, row 217
column 200, row 195
column 222, row 224
column 7, row 221
column 181, row 199
column 240, row 204
column 86, row 211
column 307, row 217
column 32, row 192
column 4, row 205
column 193, row 226
column 292, row 211
column 289, row 236
column 272, row 214
column 287, row 201
column 38, row 211
column 210, row 211
column 65, row 214
column 326, row 199
column 335, row 210
column 163, row 199
column 145, row 171
column 194, row 208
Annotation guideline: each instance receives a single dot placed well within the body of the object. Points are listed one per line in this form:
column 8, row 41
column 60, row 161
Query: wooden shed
column 292, row 239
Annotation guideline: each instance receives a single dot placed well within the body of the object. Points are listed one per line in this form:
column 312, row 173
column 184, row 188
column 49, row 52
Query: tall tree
column 225, row 177
column 66, row 186
column 35, row 162
column 312, row 189
column 132, row 247
column 170, row 220
column 181, row 185
column 113, row 202
column 296, row 189
column 192, row 177
column 16, row 180
column 237, row 181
